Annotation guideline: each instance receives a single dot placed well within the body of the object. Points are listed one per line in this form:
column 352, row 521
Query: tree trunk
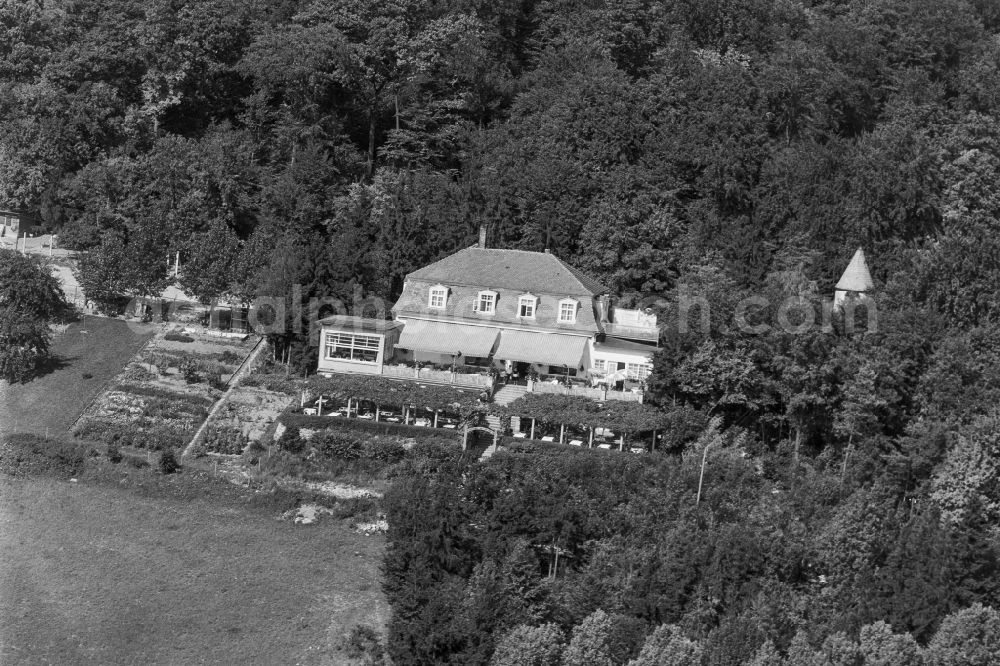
column 371, row 141
column 847, row 453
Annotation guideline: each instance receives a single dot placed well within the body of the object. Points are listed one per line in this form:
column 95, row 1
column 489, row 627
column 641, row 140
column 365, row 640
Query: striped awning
column 542, row 348
column 439, row 337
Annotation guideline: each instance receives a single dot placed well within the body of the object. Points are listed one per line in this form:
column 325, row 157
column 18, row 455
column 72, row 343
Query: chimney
column 482, row 236
column 548, row 251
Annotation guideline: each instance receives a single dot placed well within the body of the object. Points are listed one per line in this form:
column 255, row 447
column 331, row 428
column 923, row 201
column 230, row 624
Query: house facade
column 521, row 312
column 511, row 312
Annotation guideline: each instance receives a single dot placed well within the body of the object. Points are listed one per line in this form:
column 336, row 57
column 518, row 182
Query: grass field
column 93, row 346
column 174, row 570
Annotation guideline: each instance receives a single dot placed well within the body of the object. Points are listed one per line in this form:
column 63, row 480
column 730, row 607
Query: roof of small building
column 510, row 269
column 352, row 323
column 856, row 277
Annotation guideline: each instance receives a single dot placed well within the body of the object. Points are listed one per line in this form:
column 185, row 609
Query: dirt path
column 233, row 383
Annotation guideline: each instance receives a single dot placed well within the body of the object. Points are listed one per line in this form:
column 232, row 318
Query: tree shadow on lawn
column 49, row 365
column 84, row 357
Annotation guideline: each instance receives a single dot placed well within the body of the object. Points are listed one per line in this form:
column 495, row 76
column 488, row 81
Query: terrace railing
column 584, row 392
column 472, row 380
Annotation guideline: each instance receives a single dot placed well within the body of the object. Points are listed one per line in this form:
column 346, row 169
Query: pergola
column 620, row 417
column 409, row 395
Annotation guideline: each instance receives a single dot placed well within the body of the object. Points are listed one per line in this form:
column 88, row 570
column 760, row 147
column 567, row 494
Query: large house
column 523, row 313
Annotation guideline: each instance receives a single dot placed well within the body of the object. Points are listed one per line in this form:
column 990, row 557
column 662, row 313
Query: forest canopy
column 721, row 149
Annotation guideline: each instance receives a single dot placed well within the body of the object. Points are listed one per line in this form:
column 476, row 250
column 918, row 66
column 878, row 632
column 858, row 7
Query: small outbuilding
column 355, row 344
column 856, row 283
column 14, row 223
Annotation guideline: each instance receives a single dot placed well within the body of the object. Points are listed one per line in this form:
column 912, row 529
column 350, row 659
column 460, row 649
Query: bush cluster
column 141, row 434
column 31, row 455
column 178, row 337
column 168, row 462
column 225, row 439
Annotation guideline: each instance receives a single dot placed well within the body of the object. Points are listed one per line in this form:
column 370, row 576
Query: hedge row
column 291, row 420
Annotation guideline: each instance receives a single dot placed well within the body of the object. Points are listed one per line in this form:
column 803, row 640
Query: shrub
column 383, row 450
column 178, row 337
column 189, row 369
column 226, row 440
column 364, row 642
column 229, row 357
column 114, row 455
column 138, row 463
column 168, row 462
column 291, row 440
column 338, row 445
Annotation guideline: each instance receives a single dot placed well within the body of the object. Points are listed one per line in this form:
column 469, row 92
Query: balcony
column 633, row 325
column 632, row 332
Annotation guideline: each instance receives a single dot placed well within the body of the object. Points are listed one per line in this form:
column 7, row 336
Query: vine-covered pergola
column 382, row 392
column 621, row 417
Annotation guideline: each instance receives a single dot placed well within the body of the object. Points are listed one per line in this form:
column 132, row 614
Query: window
column 567, row 311
column 526, row 306
column 438, row 297
column 350, row 347
column 598, row 364
column 637, row 371
column 486, row 302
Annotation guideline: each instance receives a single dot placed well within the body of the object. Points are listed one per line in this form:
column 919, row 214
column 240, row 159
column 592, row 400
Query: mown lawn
column 174, row 570
column 86, row 355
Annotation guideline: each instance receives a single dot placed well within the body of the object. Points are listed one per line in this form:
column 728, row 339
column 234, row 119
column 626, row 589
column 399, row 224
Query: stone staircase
column 509, row 393
column 506, row 395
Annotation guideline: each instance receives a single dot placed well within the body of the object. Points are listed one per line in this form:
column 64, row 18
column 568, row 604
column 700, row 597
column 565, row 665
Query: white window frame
column 485, row 297
column 355, row 345
column 598, row 364
column 527, row 301
column 438, row 291
column 573, row 304
column 637, row 371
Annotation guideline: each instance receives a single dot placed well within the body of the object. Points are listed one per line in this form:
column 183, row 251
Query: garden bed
column 160, row 399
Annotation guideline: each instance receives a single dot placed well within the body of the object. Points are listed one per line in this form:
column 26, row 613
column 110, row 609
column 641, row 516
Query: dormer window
column 526, row 306
column 486, row 302
column 438, row 298
column 567, row 311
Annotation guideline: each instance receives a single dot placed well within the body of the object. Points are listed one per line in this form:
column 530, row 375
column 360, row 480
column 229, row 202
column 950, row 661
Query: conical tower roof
column 856, row 277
